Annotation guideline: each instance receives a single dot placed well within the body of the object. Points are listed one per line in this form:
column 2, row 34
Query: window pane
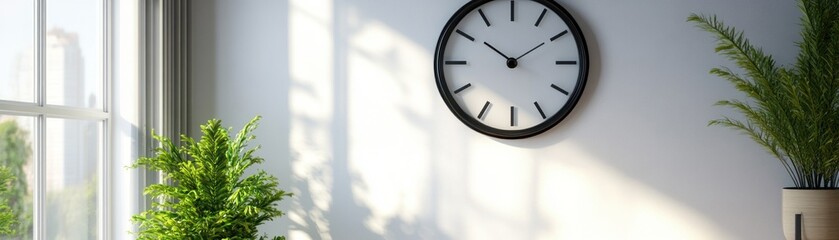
column 74, row 53
column 73, row 153
column 17, row 71
column 16, row 137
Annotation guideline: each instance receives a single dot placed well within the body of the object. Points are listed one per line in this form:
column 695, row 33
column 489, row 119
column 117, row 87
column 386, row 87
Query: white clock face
column 512, row 65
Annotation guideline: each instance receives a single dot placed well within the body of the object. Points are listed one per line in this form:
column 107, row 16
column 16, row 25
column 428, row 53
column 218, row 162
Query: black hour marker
column 566, row 62
column 540, row 110
column 512, row 116
column 483, row 110
column 465, row 35
column 484, row 17
column 462, row 88
column 541, row 16
column 512, row 11
column 559, row 89
column 559, row 35
column 455, row 62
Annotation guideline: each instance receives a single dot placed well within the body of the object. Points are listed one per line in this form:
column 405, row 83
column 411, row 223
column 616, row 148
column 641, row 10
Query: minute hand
column 496, row 50
column 534, row 48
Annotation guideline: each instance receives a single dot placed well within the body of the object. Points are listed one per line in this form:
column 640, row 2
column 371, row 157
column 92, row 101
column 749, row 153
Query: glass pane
column 74, row 53
column 16, row 148
column 73, row 153
column 17, row 61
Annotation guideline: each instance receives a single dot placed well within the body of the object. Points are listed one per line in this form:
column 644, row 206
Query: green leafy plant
column 8, row 219
column 792, row 111
column 208, row 197
column 15, row 151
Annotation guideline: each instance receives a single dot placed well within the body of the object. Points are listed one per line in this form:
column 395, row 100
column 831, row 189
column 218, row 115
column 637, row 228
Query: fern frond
column 792, row 112
column 209, row 198
column 736, row 47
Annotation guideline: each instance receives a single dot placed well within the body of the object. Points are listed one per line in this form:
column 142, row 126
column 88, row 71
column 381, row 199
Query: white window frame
column 152, row 56
column 152, row 69
column 40, row 111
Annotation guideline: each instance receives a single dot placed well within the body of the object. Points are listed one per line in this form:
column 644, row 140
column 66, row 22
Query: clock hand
column 530, row 50
column 496, row 50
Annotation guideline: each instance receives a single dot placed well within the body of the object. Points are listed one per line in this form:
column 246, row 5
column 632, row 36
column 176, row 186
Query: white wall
column 355, row 127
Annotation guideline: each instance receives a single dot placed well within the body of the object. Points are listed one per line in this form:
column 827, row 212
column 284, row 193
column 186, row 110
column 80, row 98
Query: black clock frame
column 471, row 122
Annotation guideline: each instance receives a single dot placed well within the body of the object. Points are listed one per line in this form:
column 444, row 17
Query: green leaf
column 209, row 197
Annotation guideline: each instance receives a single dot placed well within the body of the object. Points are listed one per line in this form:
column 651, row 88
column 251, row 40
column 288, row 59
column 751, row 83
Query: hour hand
column 496, row 50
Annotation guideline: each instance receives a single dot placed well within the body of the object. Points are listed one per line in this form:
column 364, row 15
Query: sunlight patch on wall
column 388, row 114
column 510, row 192
column 311, row 96
column 500, row 186
column 500, row 178
column 579, row 198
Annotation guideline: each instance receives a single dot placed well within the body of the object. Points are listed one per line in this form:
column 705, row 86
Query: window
column 66, row 129
column 54, row 115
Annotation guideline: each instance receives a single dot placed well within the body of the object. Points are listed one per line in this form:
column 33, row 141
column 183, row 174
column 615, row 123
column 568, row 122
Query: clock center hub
column 512, row 63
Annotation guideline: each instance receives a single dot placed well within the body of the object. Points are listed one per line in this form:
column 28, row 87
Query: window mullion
column 40, row 179
column 104, row 202
column 39, row 222
column 40, row 52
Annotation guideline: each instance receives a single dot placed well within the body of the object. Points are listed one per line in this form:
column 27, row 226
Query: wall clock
column 511, row 69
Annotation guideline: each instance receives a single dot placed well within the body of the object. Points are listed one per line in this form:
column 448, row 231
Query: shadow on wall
column 315, row 140
column 330, row 203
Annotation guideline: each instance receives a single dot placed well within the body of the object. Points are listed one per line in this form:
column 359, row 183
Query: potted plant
column 208, row 197
column 792, row 111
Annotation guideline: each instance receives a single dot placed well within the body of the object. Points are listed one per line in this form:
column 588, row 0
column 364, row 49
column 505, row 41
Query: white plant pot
column 819, row 209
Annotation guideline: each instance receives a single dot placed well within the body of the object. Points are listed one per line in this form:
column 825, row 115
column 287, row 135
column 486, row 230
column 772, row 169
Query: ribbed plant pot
column 819, row 209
